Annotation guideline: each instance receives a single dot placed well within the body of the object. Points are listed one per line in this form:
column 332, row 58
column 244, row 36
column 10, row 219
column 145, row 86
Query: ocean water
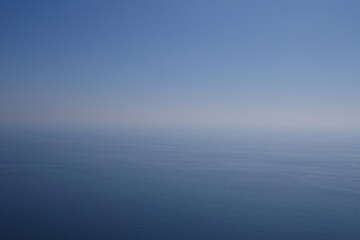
column 148, row 185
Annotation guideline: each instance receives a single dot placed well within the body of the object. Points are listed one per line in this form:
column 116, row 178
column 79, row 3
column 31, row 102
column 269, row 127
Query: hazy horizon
column 179, row 119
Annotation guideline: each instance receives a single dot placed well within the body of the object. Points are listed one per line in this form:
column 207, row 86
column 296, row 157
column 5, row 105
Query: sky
column 239, row 64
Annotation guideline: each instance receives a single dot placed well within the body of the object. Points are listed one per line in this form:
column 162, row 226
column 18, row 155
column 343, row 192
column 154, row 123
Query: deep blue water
column 122, row 185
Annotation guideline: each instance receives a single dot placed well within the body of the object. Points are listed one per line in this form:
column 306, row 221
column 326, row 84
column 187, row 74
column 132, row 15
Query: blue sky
column 243, row 64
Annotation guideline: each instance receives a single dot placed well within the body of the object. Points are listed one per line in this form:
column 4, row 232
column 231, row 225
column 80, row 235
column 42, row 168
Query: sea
column 178, row 185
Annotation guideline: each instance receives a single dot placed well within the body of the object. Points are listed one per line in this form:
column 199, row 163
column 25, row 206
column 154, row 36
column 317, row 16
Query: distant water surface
column 132, row 186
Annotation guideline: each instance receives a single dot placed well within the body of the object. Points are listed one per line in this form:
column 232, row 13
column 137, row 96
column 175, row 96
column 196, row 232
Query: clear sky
column 244, row 64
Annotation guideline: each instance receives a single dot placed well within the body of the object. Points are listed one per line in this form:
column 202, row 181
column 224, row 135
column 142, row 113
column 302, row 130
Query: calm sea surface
column 122, row 185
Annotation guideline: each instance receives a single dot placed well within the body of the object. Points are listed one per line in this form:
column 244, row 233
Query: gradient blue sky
column 243, row 64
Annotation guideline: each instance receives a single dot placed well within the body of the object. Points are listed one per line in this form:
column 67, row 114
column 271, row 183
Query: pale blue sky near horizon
column 243, row 64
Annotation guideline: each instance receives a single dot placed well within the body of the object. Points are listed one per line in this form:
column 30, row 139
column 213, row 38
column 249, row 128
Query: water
column 123, row 185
